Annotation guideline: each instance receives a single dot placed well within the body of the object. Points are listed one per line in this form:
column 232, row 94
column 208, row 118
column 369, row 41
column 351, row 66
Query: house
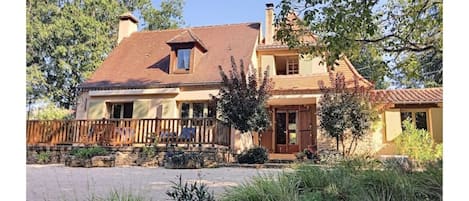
column 172, row 73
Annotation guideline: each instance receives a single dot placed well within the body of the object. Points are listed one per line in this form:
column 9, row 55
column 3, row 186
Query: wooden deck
column 128, row 132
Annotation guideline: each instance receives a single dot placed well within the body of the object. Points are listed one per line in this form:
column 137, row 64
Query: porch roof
column 413, row 96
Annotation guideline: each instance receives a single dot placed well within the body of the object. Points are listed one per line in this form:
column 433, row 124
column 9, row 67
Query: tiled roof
column 413, row 96
column 142, row 60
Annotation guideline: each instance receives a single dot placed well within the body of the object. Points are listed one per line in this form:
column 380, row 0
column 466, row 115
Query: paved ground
column 57, row 182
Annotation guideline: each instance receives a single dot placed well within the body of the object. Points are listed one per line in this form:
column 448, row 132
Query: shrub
column 88, row 153
column 148, row 152
column 43, row 157
column 189, row 192
column 418, row 144
column 255, row 155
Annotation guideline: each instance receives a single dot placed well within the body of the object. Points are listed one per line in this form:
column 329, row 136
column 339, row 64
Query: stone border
column 131, row 156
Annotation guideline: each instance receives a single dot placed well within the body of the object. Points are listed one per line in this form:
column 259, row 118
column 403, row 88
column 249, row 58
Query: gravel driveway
column 57, row 182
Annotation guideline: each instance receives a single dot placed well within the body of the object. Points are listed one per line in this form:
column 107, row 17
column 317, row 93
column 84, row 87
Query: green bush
column 189, row 192
column 418, row 144
column 88, row 153
column 148, row 152
column 43, row 157
column 255, row 155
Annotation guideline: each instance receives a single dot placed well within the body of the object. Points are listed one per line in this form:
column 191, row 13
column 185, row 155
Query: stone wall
column 370, row 144
column 131, row 156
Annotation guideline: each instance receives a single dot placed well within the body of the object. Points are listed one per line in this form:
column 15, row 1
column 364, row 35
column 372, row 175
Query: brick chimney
column 269, row 23
column 127, row 25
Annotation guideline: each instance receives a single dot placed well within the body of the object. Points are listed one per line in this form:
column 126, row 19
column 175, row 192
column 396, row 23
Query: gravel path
column 57, row 182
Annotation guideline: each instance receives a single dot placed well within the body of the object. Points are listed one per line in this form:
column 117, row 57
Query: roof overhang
column 127, row 92
column 293, row 99
column 196, row 95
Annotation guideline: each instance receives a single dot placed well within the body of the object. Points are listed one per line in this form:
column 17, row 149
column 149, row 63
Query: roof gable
column 187, row 36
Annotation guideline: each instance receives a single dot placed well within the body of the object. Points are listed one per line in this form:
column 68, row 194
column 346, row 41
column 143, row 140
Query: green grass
column 354, row 181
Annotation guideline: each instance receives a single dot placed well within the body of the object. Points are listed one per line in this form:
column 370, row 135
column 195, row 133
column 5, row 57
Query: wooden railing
column 128, row 131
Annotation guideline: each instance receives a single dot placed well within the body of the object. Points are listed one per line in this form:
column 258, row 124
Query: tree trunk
column 337, row 142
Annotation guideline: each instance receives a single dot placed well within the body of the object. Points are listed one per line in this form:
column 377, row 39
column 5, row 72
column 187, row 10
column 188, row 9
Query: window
column 417, row 118
column 286, row 65
column 183, row 59
column 197, row 110
column 185, row 107
column 121, row 110
column 421, row 120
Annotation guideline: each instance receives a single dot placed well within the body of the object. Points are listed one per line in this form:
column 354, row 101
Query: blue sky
column 216, row 12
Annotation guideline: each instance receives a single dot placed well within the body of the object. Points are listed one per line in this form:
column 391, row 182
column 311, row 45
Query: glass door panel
column 280, row 128
column 292, row 139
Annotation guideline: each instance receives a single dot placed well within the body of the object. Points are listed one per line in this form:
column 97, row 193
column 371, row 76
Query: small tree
column 241, row 100
column 343, row 108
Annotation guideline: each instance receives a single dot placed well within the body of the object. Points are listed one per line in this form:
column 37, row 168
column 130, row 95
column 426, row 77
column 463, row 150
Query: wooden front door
column 286, row 135
column 306, row 126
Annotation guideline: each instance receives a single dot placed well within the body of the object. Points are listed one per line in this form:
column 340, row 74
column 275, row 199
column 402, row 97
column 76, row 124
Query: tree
column 342, row 109
column 68, row 40
column 402, row 31
column 241, row 100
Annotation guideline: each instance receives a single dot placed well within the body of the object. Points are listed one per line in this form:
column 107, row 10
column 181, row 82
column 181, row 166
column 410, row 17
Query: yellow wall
column 436, row 115
column 268, row 60
column 311, row 65
column 145, row 106
column 96, row 109
column 392, row 124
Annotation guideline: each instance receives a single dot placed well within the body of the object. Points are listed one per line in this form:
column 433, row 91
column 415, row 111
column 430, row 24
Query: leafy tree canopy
column 405, row 34
column 68, row 40
column 343, row 108
column 242, row 100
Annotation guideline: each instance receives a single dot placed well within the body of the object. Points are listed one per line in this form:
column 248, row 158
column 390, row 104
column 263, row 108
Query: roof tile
column 413, row 96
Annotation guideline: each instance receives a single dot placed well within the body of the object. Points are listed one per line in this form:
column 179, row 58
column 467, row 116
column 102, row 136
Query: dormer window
column 183, row 58
column 186, row 50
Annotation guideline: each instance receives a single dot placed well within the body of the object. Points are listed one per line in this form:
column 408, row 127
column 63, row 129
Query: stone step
column 281, row 161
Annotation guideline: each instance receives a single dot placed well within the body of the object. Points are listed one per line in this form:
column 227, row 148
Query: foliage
column 265, row 188
column 255, row 155
column 51, row 112
column 343, row 108
column 117, row 196
column 43, row 157
column 88, row 153
column 148, row 152
column 418, row 144
column 189, row 192
column 369, row 63
column 399, row 30
column 356, row 181
column 67, row 40
column 241, row 100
